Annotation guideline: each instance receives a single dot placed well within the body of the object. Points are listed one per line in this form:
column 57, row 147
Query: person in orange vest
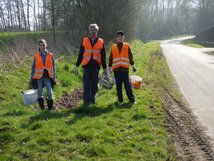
column 119, row 61
column 43, row 73
column 92, row 55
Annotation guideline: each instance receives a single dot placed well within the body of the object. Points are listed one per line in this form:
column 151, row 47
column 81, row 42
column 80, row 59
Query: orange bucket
column 135, row 81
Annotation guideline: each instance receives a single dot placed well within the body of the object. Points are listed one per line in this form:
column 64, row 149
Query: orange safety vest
column 120, row 59
column 90, row 51
column 39, row 67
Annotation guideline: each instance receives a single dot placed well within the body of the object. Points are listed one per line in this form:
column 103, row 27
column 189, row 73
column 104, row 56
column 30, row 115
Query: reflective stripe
column 88, row 51
column 123, row 58
column 96, row 57
column 120, row 58
column 120, row 63
column 114, row 60
column 49, row 69
column 39, row 70
column 96, row 51
column 86, row 57
column 92, row 51
column 38, row 75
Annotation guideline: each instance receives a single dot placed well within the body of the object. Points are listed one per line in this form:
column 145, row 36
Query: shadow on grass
column 91, row 111
column 46, row 115
column 14, row 113
column 80, row 112
column 123, row 105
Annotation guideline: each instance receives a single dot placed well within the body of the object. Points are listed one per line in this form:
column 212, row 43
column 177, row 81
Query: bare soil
column 69, row 101
column 188, row 136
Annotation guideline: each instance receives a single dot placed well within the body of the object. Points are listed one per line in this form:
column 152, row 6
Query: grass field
column 108, row 131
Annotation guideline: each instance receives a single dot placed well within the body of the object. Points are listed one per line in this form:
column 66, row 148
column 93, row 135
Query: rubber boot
column 50, row 104
column 41, row 103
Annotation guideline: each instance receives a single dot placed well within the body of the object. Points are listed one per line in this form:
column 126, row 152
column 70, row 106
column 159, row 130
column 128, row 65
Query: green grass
column 197, row 44
column 108, row 131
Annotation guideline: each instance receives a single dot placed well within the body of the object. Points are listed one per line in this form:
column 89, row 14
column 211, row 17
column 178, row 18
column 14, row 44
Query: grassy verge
column 108, row 131
column 197, row 44
column 24, row 43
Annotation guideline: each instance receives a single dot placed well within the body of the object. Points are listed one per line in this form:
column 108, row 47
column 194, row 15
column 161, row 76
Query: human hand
column 76, row 70
column 134, row 68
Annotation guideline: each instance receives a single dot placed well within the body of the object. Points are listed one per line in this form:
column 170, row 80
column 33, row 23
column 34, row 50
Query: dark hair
column 42, row 41
column 120, row 33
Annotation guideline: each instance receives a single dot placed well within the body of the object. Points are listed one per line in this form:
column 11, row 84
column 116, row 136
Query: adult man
column 120, row 59
column 92, row 55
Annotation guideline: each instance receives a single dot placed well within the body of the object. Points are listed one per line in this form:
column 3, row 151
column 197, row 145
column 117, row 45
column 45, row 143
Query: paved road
column 193, row 70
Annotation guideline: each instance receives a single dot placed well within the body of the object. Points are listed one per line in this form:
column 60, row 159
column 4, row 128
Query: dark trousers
column 90, row 82
column 123, row 77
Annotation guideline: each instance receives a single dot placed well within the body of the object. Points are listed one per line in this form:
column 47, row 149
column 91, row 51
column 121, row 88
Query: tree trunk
column 18, row 14
column 35, row 17
column 23, row 14
column 53, row 20
column 28, row 14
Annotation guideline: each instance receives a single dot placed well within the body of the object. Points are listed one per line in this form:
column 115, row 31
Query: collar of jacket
column 46, row 52
column 94, row 39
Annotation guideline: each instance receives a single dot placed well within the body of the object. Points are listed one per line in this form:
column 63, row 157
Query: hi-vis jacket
column 94, row 52
column 40, row 67
column 120, row 59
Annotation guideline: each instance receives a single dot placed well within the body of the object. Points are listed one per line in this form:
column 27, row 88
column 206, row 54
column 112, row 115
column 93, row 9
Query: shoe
column 134, row 102
column 85, row 104
column 41, row 103
column 120, row 100
column 50, row 104
column 93, row 102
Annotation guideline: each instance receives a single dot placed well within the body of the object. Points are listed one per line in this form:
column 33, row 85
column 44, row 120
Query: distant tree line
column 144, row 19
column 162, row 18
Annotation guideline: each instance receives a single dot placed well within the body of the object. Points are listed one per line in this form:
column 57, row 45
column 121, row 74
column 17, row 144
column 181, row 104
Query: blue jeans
column 47, row 83
column 90, row 81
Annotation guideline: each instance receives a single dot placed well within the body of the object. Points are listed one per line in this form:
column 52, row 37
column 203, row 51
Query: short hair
column 94, row 25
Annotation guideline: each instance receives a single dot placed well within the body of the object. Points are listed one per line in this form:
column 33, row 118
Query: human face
column 120, row 38
column 42, row 47
column 93, row 32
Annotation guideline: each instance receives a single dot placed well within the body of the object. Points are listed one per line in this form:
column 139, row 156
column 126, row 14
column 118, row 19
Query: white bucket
column 30, row 96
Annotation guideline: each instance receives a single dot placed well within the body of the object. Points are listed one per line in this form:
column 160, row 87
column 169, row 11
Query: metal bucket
column 30, row 96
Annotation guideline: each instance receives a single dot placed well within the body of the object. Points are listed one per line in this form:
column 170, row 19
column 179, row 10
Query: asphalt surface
column 193, row 69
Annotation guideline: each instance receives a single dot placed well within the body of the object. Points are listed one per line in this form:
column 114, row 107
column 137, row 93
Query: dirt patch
column 190, row 140
column 69, row 101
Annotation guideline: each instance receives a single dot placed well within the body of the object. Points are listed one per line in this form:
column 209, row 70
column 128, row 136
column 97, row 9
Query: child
column 120, row 59
column 43, row 74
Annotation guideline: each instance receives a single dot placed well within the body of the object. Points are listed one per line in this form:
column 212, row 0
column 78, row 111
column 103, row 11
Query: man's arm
column 103, row 57
column 131, row 60
column 110, row 60
column 80, row 56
